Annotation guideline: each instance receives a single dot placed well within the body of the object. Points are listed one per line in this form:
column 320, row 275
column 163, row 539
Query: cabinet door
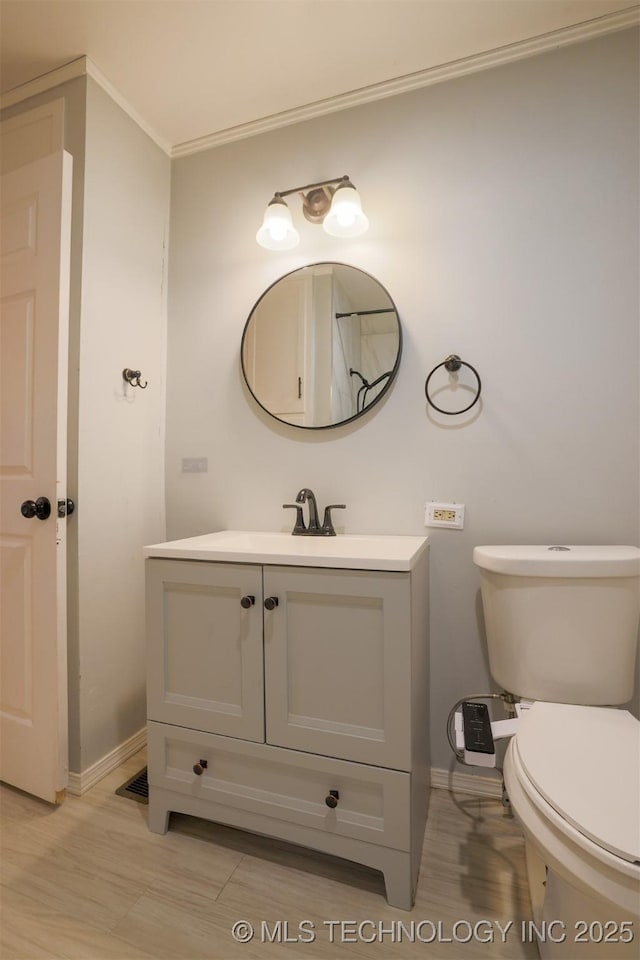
column 337, row 664
column 204, row 647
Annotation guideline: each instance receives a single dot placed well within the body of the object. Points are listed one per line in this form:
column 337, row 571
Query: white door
column 34, row 291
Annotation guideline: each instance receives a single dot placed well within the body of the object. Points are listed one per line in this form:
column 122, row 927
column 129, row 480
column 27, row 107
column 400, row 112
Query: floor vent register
column 136, row 788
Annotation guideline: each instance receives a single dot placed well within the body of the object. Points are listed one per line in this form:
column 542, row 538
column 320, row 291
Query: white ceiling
column 193, row 68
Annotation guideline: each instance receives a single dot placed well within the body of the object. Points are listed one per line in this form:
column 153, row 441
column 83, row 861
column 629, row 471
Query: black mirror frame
column 375, row 401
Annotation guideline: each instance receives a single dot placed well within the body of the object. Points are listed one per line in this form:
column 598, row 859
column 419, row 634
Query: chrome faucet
column 314, row 529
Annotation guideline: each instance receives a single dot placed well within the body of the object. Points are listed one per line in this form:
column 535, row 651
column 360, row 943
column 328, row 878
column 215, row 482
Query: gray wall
column 120, row 429
column 504, row 223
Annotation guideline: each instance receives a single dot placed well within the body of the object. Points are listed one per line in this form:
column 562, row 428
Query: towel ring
column 453, row 364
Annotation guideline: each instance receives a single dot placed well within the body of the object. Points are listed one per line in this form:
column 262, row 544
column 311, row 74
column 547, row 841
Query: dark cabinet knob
column 40, row 508
column 200, row 767
column 247, row 601
column 332, row 799
column 271, row 603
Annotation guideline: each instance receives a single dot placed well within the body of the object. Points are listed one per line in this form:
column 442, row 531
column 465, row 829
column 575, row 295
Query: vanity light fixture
column 333, row 203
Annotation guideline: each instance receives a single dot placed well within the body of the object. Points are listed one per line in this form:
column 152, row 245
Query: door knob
column 332, row 799
column 40, row 508
column 271, row 603
column 246, row 602
column 199, row 768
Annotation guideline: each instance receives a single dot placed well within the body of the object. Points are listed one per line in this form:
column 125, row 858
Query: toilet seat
column 585, row 762
column 567, row 845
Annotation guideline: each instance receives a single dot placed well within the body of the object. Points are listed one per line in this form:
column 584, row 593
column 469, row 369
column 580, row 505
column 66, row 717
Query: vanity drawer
column 283, row 784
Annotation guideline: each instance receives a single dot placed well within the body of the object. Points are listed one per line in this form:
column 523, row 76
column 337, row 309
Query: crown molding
column 83, row 66
column 47, row 81
column 521, row 50
column 114, row 93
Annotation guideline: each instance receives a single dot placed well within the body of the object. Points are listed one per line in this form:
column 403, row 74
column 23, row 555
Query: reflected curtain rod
column 363, row 313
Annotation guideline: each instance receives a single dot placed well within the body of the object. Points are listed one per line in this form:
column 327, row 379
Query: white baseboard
column 79, row 783
column 475, row 785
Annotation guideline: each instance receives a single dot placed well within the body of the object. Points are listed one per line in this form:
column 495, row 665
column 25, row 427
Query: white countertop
column 346, row 551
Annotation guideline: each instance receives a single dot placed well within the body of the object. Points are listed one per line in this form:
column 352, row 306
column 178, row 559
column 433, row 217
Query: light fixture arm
column 316, row 197
column 311, row 186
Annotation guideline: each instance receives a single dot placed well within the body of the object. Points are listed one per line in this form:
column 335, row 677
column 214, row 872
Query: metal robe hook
column 133, row 377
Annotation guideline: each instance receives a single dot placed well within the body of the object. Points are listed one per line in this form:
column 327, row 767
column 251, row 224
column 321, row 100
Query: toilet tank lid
column 559, row 560
column 585, row 762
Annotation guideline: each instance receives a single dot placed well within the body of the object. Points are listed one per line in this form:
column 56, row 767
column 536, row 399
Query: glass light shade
column 345, row 218
column 277, row 231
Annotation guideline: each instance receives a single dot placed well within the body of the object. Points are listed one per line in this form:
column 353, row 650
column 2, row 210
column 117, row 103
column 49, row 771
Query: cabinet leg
column 399, row 881
column 158, row 816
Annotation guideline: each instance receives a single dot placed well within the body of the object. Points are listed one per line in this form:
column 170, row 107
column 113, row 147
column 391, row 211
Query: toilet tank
column 562, row 622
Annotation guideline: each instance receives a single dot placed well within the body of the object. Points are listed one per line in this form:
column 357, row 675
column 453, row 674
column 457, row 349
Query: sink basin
column 348, row 551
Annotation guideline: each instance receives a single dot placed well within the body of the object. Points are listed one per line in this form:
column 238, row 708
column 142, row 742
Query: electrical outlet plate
column 449, row 515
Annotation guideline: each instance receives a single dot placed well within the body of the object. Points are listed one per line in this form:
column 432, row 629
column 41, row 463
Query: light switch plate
column 195, row 465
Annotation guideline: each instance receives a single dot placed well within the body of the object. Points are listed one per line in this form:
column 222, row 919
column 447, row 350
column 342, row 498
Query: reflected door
column 274, row 352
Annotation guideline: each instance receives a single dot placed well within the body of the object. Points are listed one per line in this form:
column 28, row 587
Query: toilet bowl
column 572, row 774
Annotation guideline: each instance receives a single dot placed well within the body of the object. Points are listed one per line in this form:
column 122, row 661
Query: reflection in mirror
column 321, row 346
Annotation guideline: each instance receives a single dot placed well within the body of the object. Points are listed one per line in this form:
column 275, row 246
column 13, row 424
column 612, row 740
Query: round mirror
column 321, row 346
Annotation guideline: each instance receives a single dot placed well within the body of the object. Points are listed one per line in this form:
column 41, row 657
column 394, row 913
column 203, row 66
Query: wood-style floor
column 87, row 880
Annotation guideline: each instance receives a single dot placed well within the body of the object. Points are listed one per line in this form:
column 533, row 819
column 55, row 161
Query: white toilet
column 562, row 631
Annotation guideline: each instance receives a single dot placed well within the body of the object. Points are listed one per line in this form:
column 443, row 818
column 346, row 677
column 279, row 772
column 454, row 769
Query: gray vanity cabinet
column 293, row 701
